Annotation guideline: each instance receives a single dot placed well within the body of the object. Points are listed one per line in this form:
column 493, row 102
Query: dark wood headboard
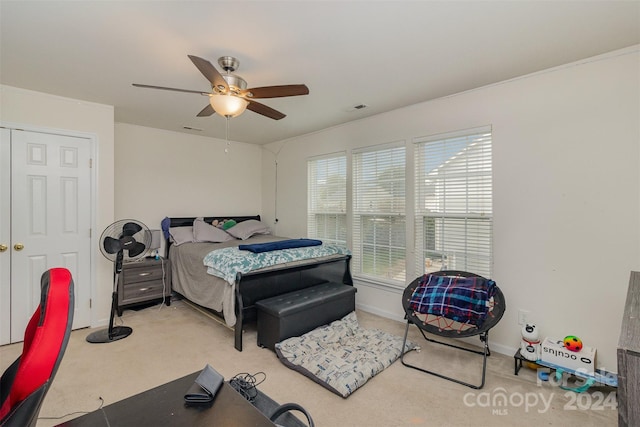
column 188, row 221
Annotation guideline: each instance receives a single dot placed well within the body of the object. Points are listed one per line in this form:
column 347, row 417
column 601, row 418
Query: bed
column 235, row 302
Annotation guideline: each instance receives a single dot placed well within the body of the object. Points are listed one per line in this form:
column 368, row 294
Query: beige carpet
column 169, row 342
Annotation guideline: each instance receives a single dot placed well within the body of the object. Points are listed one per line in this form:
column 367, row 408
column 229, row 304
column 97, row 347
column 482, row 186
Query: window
column 379, row 241
column 327, row 199
column 454, row 214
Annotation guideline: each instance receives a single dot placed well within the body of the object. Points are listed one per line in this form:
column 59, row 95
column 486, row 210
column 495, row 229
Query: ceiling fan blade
column 209, row 71
column 256, row 107
column 111, row 245
column 206, row 111
column 130, row 228
column 170, row 88
column 276, row 91
column 137, row 249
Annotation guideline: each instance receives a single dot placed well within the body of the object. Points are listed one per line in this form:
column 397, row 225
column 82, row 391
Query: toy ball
column 572, row 343
column 531, row 365
column 543, row 375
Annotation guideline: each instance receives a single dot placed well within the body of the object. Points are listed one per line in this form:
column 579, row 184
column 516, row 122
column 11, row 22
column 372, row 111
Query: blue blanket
column 257, row 248
column 463, row 299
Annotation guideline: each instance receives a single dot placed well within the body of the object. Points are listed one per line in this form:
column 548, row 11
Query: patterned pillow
column 341, row 356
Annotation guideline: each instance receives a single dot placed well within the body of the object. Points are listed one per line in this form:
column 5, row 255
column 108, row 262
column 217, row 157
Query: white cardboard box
column 555, row 353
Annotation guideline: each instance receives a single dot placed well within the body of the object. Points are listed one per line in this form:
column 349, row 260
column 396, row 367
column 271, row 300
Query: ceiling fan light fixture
column 228, row 105
column 229, row 96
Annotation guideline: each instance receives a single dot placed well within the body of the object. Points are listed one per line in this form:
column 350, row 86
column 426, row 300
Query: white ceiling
column 385, row 54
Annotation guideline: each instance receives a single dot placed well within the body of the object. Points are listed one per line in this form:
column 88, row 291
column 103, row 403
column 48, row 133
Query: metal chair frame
column 499, row 307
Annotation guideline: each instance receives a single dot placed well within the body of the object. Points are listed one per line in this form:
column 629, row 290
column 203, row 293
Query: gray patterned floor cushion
column 341, row 356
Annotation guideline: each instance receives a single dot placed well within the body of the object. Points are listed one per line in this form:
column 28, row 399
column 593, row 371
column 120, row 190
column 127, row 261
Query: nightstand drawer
column 142, row 291
column 144, row 281
column 141, row 274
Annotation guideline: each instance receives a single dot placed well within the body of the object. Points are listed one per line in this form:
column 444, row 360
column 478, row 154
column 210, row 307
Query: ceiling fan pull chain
column 226, row 149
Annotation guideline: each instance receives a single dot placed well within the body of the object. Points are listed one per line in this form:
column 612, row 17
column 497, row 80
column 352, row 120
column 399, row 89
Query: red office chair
column 25, row 383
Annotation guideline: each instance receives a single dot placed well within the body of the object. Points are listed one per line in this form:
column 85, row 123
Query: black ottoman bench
column 296, row 313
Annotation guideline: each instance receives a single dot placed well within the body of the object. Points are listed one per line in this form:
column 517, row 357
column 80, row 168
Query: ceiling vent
column 358, row 107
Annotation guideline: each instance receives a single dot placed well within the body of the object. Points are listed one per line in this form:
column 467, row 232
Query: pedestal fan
column 124, row 240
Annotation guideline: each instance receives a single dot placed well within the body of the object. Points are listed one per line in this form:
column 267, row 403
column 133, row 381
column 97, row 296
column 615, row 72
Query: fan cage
column 116, row 231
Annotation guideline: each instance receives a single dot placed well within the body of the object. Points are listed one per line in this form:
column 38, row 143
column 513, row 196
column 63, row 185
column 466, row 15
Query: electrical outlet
column 523, row 317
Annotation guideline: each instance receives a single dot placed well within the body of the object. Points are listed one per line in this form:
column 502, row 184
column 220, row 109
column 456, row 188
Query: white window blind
column 327, row 199
column 454, row 211
column 379, row 241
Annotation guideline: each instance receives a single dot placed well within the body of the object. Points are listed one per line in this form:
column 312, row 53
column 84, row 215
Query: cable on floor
column 74, row 413
column 246, row 384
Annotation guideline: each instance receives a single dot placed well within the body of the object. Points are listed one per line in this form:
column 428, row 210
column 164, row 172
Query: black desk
column 164, row 406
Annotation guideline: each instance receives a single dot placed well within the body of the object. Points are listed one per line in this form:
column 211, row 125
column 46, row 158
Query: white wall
column 48, row 112
column 157, row 173
column 566, row 146
column 161, row 173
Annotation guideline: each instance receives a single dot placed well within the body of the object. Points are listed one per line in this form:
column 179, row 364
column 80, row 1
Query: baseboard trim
column 493, row 346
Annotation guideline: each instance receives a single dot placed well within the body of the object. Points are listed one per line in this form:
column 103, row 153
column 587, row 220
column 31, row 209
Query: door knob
column 3, row 248
column 18, row 246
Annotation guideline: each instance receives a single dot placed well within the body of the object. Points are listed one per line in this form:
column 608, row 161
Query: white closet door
column 50, row 220
column 5, row 236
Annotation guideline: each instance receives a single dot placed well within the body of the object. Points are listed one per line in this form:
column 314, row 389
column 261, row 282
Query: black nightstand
column 144, row 281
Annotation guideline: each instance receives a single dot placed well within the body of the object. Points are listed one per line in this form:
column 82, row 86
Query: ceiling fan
column 229, row 95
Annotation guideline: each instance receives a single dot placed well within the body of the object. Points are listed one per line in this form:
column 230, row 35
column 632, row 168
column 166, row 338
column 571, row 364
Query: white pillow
column 245, row 229
column 204, row 232
column 180, row 235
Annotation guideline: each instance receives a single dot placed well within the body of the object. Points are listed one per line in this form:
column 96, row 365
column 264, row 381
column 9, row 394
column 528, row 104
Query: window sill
column 379, row 284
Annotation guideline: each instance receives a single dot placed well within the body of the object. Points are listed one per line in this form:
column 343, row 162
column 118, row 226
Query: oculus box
column 555, row 353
